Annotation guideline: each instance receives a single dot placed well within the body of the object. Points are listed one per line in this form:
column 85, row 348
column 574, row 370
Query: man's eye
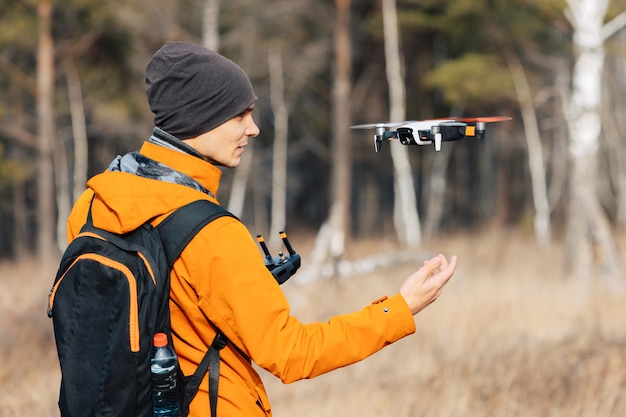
column 245, row 113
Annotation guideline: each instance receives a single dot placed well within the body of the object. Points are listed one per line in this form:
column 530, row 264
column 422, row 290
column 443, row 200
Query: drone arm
column 381, row 136
column 390, row 135
column 481, row 128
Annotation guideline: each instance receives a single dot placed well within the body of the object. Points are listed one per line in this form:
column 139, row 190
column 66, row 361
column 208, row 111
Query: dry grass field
column 510, row 336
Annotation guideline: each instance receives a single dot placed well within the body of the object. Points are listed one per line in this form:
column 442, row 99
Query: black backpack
column 110, row 296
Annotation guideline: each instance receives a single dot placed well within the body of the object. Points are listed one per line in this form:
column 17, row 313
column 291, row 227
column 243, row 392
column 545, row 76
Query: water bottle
column 163, row 367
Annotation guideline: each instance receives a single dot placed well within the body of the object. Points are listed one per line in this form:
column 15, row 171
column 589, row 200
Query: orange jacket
column 221, row 277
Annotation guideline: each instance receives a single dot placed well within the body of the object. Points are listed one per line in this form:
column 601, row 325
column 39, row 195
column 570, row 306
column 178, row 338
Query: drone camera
column 282, row 266
column 405, row 135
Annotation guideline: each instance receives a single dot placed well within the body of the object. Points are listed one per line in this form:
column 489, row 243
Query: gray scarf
column 138, row 164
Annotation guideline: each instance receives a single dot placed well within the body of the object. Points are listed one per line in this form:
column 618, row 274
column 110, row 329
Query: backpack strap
column 211, row 363
column 192, row 218
column 219, row 342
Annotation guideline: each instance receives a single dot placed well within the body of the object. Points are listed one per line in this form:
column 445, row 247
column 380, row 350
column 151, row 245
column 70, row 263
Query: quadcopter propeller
column 377, row 125
column 381, row 132
column 488, row 119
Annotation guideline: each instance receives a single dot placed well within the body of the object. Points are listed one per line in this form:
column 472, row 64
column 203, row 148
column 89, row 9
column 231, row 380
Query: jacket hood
column 124, row 201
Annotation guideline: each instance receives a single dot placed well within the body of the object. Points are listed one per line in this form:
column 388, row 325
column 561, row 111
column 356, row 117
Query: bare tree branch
column 19, row 135
column 615, row 25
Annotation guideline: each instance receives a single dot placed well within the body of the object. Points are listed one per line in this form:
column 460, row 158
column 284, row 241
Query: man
column 202, row 105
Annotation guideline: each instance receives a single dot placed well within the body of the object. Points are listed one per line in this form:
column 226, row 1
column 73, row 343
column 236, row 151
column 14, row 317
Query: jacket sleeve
column 239, row 294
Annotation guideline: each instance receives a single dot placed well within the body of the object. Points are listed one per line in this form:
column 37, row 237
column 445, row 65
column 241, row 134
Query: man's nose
column 253, row 130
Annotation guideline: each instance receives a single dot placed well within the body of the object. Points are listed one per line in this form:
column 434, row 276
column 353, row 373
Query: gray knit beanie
column 192, row 90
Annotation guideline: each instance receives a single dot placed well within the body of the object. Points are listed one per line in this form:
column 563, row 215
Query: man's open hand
column 425, row 285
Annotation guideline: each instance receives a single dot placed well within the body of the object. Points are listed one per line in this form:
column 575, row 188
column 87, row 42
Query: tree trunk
column 615, row 129
column 559, row 160
column 62, row 194
column 79, row 128
column 237, row 196
column 587, row 222
column 342, row 163
column 329, row 244
column 19, row 220
column 281, row 133
column 437, row 192
column 210, row 25
column 406, row 218
column 242, row 173
column 535, row 151
column 45, row 132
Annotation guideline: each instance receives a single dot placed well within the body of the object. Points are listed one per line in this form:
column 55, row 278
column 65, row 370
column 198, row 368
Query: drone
column 431, row 131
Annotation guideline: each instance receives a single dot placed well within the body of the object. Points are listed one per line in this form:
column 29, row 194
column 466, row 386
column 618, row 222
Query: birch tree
column 281, row 134
column 536, row 166
column 210, row 24
column 587, row 223
column 67, row 194
column 291, row 65
column 241, row 175
column 79, row 126
column 329, row 245
column 211, row 39
column 406, row 218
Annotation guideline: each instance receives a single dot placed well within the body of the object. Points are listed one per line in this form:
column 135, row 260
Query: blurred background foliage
column 456, row 56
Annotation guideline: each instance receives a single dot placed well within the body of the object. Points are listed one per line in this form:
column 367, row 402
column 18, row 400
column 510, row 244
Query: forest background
column 535, row 324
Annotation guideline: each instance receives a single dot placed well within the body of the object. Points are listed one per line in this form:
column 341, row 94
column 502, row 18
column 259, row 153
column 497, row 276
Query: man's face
column 225, row 144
